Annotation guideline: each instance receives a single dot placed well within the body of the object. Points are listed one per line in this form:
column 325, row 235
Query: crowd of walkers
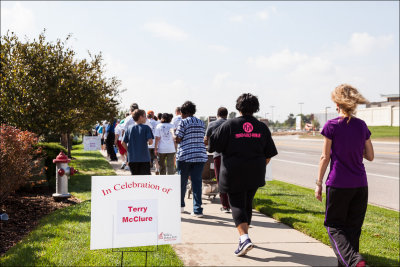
column 242, row 147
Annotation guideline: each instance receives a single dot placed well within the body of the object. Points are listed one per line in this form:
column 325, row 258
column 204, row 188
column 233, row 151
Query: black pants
column 140, row 168
column 344, row 217
column 110, row 146
column 242, row 206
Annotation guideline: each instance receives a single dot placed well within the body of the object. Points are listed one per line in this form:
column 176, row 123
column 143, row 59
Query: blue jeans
column 194, row 170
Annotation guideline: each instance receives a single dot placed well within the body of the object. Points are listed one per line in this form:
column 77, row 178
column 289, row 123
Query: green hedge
column 50, row 152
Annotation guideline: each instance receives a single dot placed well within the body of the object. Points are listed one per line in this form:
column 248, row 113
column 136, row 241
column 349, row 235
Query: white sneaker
column 197, row 215
column 182, row 209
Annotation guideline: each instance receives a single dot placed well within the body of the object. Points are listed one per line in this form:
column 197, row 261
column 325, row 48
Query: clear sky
column 210, row 52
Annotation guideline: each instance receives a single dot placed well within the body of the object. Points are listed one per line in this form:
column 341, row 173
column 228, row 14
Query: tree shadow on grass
column 25, row 256
column 76, row 213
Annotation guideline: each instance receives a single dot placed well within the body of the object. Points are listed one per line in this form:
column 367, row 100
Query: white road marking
column 315, row 165
column 290, row 152
column 384, row 176
column 296, row 162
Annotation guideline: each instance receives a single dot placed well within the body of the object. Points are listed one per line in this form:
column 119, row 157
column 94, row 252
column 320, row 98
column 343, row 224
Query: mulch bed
column 25, row 209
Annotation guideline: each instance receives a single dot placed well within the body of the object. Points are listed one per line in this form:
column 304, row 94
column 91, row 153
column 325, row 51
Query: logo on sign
column 248, row 127
column 167, row 237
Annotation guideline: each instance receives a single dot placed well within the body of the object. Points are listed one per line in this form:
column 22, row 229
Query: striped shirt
column 191, row 148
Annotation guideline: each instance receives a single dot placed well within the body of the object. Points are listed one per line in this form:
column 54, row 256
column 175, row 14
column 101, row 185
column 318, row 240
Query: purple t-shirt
column 348, row 141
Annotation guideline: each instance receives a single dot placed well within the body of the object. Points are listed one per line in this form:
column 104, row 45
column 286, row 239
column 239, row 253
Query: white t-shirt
column 166, row 144
column 128, row 121
column 176, row 120
column 105, row 125
column 118, row 130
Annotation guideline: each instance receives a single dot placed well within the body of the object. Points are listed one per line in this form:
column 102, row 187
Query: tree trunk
column 69, row 144
column 64, row 140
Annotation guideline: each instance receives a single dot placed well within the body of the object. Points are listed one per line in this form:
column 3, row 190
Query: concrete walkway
column 211, row 240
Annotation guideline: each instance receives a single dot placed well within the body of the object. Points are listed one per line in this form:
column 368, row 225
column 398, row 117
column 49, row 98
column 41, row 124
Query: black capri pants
column 242, row 206
column 344, row 217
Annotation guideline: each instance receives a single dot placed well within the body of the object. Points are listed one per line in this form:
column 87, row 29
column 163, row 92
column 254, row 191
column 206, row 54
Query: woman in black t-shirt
column 247, row 147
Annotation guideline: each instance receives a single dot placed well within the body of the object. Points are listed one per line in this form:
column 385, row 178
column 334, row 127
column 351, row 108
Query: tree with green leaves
column 45, row 89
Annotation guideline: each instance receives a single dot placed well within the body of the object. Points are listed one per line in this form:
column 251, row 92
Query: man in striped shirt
column 191, row 155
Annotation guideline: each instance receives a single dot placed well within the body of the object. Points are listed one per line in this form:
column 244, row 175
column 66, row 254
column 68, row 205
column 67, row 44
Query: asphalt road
column 297, row 163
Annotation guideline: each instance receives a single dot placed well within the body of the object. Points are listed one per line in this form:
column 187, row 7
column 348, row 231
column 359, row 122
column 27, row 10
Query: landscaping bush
column 19, row 159
column 50, row 152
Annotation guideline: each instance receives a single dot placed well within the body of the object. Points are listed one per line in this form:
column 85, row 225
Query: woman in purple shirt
column 347, row 142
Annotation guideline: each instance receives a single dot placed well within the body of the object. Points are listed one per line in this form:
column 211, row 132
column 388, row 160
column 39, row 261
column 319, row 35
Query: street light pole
column 301, row 103
column 272, row 113
column 326, row 114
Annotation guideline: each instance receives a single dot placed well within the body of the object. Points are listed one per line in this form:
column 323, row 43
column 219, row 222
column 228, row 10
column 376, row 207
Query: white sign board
column 268, row 172
column 91, row 143
column 134, row 211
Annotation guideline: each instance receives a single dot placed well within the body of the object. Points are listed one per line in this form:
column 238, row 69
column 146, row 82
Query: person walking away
column 222, row 114
column 165, row 145
column 110, row 140
column 177, row 119
column 247, row 147
column 118, row 143
column 101, row 130
column 153, row 157
column 191, row 155
column 136, row 140
column 347, row 141
column 129, row 118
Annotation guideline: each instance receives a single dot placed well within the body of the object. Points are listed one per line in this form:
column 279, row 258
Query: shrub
column 19, row 159
column 50, row 152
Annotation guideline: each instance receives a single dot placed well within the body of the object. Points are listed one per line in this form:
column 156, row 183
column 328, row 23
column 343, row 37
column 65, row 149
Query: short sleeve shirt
column 245, row 144
column 348, row 142
column 136, row 137
column 211, row 127
column 191, row 131
column 166, row 143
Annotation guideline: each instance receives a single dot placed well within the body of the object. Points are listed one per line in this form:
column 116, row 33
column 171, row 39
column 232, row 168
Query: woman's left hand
column 318, row 192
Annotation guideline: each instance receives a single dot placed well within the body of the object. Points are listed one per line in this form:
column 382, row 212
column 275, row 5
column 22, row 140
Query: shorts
column 122, row 150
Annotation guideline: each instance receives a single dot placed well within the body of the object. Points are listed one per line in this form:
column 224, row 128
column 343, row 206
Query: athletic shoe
column 225, row 210
column 126, row 168
column 197, row 215
column 182, row 209
column 123, row 166
column 244, row 247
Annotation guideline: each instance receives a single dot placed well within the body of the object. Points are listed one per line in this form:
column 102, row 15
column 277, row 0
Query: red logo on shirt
column 248, row 127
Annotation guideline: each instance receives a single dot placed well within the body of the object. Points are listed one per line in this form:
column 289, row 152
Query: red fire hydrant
column 63, row 172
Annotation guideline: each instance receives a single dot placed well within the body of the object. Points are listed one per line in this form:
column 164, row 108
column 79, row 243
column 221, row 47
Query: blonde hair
column 347, row 98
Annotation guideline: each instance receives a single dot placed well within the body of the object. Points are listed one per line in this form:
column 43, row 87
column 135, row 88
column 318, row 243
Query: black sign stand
column 131, row 251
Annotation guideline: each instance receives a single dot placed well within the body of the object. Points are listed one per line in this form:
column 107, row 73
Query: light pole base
column 58, row 197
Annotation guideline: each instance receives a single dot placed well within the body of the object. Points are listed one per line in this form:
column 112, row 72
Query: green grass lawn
column 382, row 133
column 297, row 207
column 63, row 237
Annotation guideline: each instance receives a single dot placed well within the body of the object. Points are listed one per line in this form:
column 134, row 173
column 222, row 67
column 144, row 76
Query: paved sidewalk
column 211, row 240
